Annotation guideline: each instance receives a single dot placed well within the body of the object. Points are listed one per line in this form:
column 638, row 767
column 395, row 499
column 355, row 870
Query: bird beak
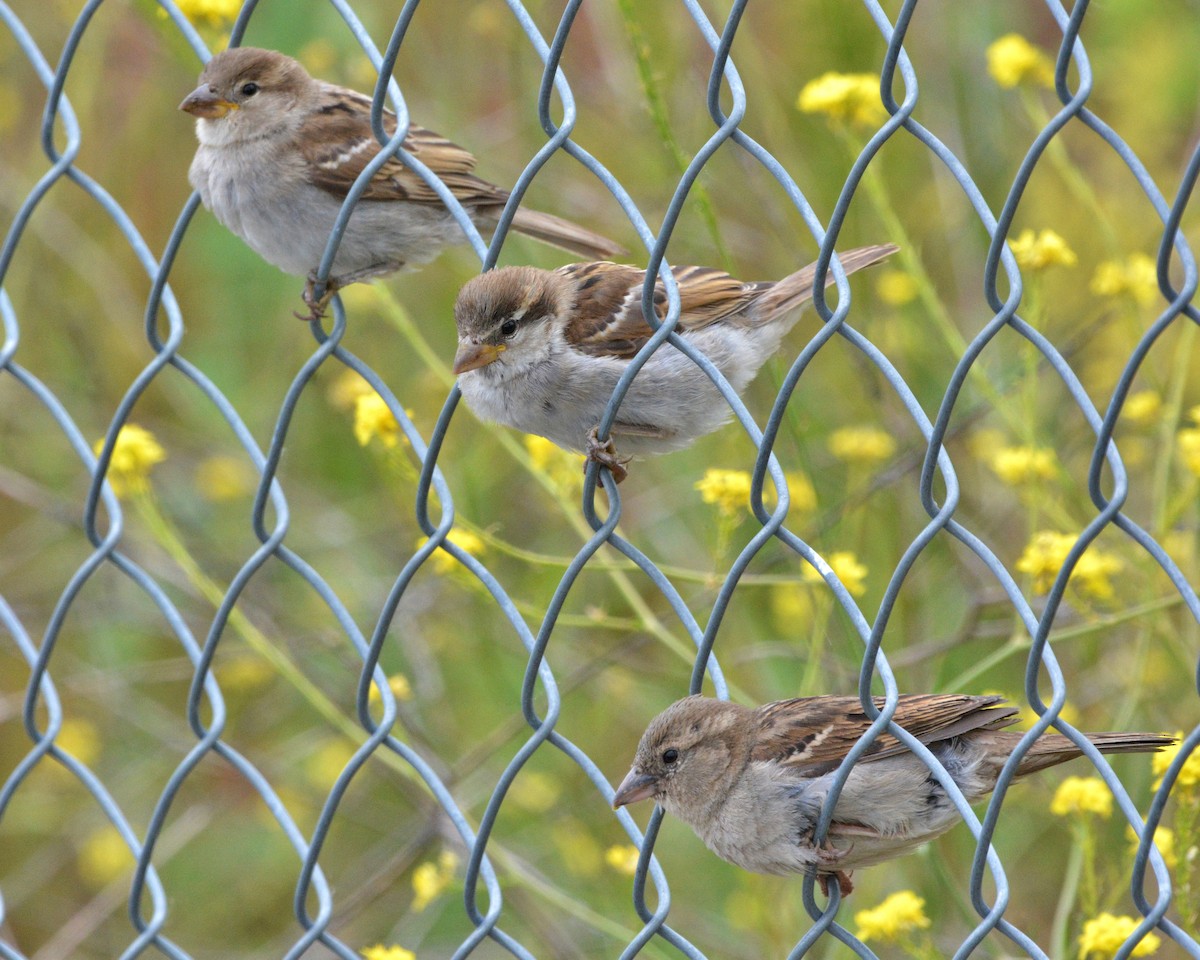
column 472, row 355
column 636, row 786
column 203, row 102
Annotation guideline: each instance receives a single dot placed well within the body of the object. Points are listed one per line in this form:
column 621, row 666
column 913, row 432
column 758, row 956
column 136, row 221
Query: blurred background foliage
column 639, row 72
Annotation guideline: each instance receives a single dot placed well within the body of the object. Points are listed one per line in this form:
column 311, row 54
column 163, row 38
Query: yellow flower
column 847, row 569
column 728, row 489
column 1013, row 60
column 1142, row 408
column 221, row 478
column 1187, row 442
column 346, row 388
column 431, row 879
column 80, row 739
column 373, row 418
column 103, row 857
column 802, row 491
column 861, row 445
column 565, row 470
column 1106, row 934
column 1189, row 774
column 1018, row 465
column 1164, row 839
column 1194, row 414
column 1082, row 795
column 1136, row 275
column 326, row 763
column 896, row 288
column 1036, row 251
column 899, row 914
column 790, row 606
column 845, row 98
column 398, row 684
column 134, row 454
column 1044, row 556
column 214, row 13
column 380, row 952
column 465, row 540
column 244, row 672
column 535, row 791
column 623, row 858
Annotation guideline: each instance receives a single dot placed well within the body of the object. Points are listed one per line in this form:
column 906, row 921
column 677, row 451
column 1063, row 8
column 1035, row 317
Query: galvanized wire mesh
column 540, row 701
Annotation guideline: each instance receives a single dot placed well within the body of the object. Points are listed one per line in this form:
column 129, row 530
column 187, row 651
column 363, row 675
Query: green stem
column 1060, row 930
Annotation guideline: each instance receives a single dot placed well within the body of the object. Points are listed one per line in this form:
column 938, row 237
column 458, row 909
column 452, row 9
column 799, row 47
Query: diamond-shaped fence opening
column 301, row 659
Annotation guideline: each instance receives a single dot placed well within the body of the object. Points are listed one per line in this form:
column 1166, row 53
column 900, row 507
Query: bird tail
column 797, row 288
column 566, row 235
column 1053, row 748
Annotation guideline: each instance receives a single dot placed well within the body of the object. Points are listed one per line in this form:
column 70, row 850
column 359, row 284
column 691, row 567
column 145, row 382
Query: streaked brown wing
column 814, row 734
column 347, row 144
column 607, row 319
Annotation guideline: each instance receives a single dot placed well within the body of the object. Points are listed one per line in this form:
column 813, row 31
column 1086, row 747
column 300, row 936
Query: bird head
column 245, row 90
column 689, row 756
column 504, row 318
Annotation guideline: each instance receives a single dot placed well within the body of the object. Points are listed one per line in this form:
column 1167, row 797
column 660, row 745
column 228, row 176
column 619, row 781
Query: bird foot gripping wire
column 316, row 305
column 606, row 455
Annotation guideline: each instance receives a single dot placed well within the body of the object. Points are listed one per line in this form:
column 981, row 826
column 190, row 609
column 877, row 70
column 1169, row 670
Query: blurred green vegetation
column 1125, row 641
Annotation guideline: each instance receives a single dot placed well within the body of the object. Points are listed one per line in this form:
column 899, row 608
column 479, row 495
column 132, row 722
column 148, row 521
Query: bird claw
column 606, row 455
column 316, row 305
column 845, row 884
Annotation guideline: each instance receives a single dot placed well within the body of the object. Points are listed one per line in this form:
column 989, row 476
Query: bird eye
column 670, row 756
column 249, row 89
column 508, row 327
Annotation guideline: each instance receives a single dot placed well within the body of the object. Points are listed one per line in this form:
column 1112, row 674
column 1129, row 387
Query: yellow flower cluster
column 1082, row 795
column 221, row 478
column 896, row 288
column 1047, row 551
column 1013, row 60
column 1136, row 275
column 380, row 952
column 851, row 98
column 398, row 684
column 1164, row 839
column 103, row 857
column 215, row 13
column 134, row 454
column 729, row 490
column 899, row 914
column 623, row 858
column 1187, row 442
column 1105, row 935
column 80, row 739
column 465, row 540
column 535, row 791
column 847, row 568
column 1018, row 465
column 1189, row 775
column 565, row 470
column 1037, row 251
column 1142, row 408
column 431, row 879
column 861, row 445
column 373, row 418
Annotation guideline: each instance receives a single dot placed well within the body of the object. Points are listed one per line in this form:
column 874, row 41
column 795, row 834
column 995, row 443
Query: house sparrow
column 751, row 782
column 279, row 151
column 542, row 350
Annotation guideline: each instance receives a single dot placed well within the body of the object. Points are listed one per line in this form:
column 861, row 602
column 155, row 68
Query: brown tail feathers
column 1053, row 748
column 566, row 235
column 794, row 289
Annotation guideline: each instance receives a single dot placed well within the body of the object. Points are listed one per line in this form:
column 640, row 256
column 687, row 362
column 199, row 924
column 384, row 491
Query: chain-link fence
column 211, row 732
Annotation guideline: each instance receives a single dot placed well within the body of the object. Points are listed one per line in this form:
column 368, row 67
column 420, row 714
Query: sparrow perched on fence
column 542, row 350
column 279, row 151
column 751, row 782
